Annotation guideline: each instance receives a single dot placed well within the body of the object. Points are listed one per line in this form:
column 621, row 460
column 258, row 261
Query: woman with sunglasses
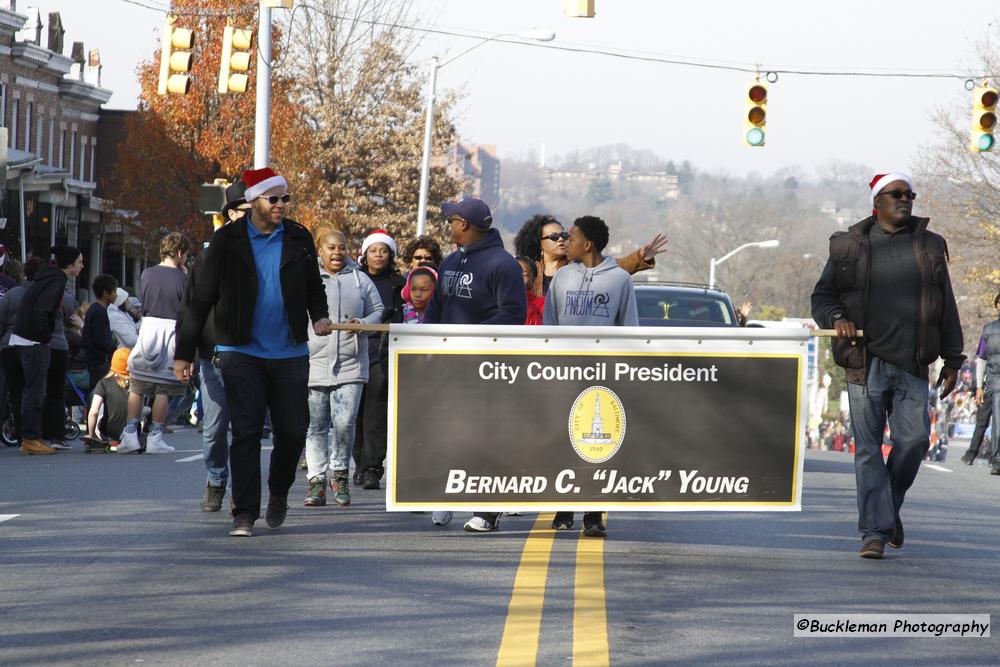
column 543, row 239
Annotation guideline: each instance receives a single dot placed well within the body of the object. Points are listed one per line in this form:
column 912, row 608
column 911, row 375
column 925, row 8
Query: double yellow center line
column 519, row 645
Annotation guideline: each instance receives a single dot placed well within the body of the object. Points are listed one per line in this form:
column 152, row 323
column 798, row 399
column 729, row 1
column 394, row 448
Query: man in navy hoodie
column 480, row 283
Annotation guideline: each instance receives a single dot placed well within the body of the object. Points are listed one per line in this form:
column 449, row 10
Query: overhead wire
column 640, row 56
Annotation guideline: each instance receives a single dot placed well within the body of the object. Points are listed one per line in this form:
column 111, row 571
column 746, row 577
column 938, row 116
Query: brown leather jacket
column 633, row 263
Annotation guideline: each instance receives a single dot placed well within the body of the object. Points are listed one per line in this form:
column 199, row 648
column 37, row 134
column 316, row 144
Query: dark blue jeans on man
column 254, row 384
column 35, row 365
column 901, row 398
column 214, row 423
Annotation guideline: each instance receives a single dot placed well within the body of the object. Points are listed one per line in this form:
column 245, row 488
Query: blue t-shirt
column 270, row 335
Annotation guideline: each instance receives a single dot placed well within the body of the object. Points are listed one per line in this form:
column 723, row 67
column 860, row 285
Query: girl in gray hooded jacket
column 338, row 369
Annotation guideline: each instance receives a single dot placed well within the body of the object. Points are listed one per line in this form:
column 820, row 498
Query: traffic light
column 233, row 76
column 212, row 199
column 984, row 118
column 579, row 8
column 756, row 115
column 175, row 59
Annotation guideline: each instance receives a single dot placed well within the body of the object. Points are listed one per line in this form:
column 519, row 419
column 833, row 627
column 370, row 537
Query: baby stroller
column 74, row 397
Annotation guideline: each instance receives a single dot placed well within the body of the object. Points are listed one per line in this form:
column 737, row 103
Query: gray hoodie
column 601, row 296
column 342, row 357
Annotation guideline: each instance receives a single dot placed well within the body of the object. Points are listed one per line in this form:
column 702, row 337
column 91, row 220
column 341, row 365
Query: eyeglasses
column 899, row 194
column 273, row 199
column 555, row 236
column 423, row 258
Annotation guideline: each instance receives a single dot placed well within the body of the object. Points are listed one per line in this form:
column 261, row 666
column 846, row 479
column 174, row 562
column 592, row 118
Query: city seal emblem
column 597, row 424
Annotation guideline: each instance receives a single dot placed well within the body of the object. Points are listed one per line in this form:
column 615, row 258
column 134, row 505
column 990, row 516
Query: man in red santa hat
column 261, row 275
column 888, row 276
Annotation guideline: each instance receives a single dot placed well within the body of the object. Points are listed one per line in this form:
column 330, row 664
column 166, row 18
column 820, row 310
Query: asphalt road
column 109, row 561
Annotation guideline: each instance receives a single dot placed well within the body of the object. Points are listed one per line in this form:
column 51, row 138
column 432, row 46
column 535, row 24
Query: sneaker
column 341, row 492
column 156, row 445
column 35, row 447
column 317, row 493
column 370, row 480
column 872, row 548
column 478, row 524
column 441, row 518
column 593, row 526
column 212, row 500
column 277, row 508
column 242, row 526
column 563, row 521
column 60, row 445
column 897, row 538
column 129, row 443
column 359, row 476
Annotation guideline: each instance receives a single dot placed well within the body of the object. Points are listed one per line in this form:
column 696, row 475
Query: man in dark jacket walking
column 888, row 276
column 261, row 275
column 480, row 283
column 35, row 321
column 215, row 419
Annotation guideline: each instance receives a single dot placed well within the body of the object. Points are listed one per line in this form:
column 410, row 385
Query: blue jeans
column 333, row 416
column 901, row 398
column 215, row 424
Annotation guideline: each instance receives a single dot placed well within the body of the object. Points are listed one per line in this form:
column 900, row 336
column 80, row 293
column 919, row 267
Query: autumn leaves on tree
column 346, row 125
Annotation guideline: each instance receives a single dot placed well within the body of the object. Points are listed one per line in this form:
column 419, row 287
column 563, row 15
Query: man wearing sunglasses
column 888, row 276
column 261, row 275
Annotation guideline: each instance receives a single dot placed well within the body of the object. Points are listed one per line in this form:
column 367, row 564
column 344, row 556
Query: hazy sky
column 520, row 98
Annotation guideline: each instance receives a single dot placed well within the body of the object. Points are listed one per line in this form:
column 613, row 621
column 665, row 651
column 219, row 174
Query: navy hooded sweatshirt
column 481, row 283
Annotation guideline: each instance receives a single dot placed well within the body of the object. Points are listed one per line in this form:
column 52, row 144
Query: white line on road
column 7, row 517
column 188, row 459
column 936, row 467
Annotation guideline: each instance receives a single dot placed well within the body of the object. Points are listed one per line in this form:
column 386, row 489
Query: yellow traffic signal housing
column 175, row 59
column 579, row 8
column 756, row 115
column 984, row 118
column 233, row 77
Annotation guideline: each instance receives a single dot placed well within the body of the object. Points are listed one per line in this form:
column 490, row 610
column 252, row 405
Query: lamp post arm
column 476, row 46
column 730, row 254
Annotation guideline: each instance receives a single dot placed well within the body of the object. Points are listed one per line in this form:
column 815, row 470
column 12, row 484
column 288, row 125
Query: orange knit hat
column 119, row 362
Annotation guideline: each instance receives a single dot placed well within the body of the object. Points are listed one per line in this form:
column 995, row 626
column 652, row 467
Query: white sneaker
column 478, row 524
column 129, row 443
column 441, row 518
column 156, row 445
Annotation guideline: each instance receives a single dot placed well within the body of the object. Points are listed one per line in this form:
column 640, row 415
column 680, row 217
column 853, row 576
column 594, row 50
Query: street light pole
column 262, row 124
column 425, row 165
column 774, row 243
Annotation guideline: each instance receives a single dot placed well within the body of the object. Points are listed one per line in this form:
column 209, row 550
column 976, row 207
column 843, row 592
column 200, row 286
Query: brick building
column 50, row 104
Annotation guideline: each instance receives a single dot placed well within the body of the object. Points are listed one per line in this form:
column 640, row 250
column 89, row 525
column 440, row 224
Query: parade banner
column 595, row 418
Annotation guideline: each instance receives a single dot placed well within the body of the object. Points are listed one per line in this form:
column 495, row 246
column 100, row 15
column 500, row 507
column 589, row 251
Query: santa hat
column 378, row 236
column 259, row 181
column 882, row 180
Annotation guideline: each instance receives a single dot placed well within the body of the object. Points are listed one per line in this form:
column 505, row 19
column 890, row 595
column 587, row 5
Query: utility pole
column 262, row 126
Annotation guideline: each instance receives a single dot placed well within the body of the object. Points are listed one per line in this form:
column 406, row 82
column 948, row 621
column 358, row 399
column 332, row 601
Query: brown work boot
column 872, row 548
column 35, row 447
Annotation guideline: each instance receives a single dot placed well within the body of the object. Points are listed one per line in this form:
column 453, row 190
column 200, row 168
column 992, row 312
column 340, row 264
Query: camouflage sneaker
column 317, row 493
column 341, row 492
